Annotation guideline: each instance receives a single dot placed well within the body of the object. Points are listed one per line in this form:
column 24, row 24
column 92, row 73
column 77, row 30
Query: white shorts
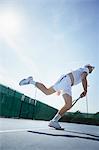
column 64, row 84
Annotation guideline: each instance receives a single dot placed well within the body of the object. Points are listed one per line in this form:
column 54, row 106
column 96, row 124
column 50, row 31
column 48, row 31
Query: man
column 64, row 84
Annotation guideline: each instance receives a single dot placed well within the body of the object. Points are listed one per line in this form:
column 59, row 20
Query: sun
column 9, row 23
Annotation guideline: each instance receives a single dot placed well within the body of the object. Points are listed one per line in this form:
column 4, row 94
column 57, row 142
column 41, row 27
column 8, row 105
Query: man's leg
column 66, row 107
column 45, row 90
column 60, row 113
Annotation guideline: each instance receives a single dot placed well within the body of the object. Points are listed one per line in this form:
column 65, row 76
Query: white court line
column 21, row 130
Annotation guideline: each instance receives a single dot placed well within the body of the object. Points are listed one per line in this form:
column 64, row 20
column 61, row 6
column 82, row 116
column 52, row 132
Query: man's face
column 90, row 69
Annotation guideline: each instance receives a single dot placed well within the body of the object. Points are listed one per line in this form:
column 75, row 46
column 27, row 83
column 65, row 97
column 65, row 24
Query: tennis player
column 64, row 84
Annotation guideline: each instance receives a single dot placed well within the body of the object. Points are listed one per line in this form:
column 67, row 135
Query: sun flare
column 9, row 23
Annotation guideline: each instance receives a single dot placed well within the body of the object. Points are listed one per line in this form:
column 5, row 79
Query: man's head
column 90, row 67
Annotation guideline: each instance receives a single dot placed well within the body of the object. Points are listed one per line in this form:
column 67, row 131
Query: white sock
column 57, row 117
column 33, row 82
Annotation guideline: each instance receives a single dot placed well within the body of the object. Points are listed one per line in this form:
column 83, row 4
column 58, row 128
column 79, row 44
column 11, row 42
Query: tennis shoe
column 54, row 124
column 26, row 81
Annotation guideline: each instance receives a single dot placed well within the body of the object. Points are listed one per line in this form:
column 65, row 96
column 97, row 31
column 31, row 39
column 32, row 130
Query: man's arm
column 84, row 84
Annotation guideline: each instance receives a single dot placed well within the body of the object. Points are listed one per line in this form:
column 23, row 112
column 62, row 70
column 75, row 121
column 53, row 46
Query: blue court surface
column 20, row 134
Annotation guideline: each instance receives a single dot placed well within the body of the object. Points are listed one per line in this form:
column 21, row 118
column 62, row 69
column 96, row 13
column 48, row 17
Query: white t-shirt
column 77, row 74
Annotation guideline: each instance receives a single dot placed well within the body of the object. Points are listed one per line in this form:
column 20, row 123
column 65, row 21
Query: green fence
column 17, row 105
column 10, row 102
column 44, row 112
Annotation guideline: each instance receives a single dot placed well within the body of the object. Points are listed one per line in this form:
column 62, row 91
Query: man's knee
column 47, row 92
column 68, row 101
column 50, row 91
column 67, row 106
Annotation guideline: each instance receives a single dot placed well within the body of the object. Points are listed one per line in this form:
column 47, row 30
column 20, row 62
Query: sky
column 48, row 38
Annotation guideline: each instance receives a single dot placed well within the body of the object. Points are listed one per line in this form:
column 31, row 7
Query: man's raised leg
column 45, row 90
column 40, row 86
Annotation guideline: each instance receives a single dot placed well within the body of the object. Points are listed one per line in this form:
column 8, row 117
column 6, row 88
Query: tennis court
column 21, row 134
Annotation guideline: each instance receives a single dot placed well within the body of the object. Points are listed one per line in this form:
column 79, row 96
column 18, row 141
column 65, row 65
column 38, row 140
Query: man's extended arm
column 84, row 84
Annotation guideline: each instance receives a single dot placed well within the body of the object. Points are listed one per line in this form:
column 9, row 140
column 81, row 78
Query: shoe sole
column 56, row 128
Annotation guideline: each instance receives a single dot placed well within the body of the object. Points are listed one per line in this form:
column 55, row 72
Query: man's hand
column 83, row 94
